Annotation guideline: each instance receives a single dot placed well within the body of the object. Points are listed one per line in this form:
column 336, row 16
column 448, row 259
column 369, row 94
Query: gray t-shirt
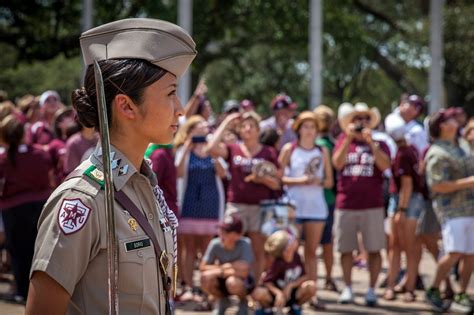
column 216, row 252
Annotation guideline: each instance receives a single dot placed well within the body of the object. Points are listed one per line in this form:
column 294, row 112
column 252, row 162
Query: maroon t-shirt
column 406, row 163
column 240, row 166
column 57, row 151
column 360, row 182
column 28, row 180
column 163, row 166
column 40, row 133
column 281, row 272
column 76, row 147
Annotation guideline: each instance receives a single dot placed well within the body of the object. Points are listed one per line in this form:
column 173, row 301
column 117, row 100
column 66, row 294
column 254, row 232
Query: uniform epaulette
column 96, row 175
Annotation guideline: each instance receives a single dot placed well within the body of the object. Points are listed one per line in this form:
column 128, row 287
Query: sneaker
column 295, row 310
column 461, row 303
column 346, row 296
column 371, row 298
column 221, row 306
column 264, row 311
column 434, row 298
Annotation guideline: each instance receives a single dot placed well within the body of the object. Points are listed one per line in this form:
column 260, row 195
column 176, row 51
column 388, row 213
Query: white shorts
column 458, row 235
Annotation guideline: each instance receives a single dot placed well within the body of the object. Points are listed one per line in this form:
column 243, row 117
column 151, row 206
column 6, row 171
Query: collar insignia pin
column 123, row 170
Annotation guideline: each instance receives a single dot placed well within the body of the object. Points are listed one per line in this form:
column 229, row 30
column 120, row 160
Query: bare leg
column 328, row 257
column 466, row 271
column 375, row 265
column 210, row 284
column 444, row 266
column 312, row 232
column 393, row 255
column 305, row 291
column 189, row 241
column 412, row 247
column 258, row 240
column 346, row 263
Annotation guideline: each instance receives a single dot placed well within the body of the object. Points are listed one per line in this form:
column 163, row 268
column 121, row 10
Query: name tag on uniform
column 139, row 244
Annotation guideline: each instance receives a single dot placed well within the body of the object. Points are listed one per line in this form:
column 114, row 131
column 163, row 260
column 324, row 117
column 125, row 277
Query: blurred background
column 371, row 50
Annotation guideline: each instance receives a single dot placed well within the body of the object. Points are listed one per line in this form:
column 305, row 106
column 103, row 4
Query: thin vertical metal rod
column 112, row 247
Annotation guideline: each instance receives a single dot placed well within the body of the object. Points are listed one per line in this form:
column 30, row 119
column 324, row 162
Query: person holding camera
column 200, row 193
column 360, row 162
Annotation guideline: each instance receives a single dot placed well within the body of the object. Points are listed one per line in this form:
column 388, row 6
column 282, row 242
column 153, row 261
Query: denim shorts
column 415, row 206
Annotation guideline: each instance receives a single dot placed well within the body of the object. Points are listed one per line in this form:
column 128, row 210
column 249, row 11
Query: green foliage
column 61, row 74
column 372, row 50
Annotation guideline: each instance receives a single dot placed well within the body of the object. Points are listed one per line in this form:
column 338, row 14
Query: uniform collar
column 122, row 168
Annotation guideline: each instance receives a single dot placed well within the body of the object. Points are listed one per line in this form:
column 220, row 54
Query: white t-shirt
column 309, row 199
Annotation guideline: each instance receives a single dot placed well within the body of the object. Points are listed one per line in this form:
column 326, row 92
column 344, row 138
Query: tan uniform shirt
column 72, row 240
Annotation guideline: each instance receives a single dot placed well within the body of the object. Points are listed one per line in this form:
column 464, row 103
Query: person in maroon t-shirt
column 64, row 126
column 78, row 148
column 254, row 176
column 360, row 162
column 285, row 282
column 405, row 206
column 25, row 185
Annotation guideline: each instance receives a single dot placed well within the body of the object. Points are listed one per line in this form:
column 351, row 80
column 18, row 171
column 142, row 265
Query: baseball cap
column 246, row 103
column 437, row 119
column 283, row 101
column 416, row 101
column 231, row 106
column 231, row 223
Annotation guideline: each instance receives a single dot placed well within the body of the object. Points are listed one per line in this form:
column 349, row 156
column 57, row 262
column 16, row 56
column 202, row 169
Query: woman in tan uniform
column 140, row 60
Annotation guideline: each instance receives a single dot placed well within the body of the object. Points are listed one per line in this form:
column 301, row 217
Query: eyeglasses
column 361, row 118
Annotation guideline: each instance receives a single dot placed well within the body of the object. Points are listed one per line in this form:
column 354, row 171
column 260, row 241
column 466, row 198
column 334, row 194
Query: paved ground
column 360, row 277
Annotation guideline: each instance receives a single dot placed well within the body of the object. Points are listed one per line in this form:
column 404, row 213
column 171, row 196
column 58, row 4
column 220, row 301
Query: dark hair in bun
column 120, row 76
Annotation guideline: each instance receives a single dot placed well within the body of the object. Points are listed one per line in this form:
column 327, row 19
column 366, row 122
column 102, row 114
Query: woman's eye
column 172, row 93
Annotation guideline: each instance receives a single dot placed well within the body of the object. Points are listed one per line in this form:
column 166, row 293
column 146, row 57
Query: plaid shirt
column 446, row 161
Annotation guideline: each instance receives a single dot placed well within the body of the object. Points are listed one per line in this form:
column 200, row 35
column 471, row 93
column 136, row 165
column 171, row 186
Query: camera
column 198, row 139
column 359, row 128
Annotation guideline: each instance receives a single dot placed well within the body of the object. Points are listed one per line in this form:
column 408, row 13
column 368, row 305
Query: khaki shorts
column 251, row 215
column 368, row 222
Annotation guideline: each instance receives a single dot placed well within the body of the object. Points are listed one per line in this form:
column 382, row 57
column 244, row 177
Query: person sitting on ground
column 225, row 267
column 285, row 282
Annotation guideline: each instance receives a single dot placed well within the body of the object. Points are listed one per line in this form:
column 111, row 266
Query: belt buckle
column 164, row 261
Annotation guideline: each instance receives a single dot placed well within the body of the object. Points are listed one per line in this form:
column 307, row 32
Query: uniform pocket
column 137, row 266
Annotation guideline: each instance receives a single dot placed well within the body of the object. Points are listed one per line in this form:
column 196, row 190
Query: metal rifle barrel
column 112, row 247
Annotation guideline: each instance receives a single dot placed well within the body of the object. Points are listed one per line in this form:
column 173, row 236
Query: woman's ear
column 125, row 107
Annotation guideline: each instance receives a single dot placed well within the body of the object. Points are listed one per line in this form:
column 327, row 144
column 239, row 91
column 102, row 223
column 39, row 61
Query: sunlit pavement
column 360, row 281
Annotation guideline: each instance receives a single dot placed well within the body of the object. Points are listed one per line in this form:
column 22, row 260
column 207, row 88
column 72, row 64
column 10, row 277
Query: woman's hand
column 312, row 180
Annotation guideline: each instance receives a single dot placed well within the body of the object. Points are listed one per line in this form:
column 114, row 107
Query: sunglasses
column 361, row 118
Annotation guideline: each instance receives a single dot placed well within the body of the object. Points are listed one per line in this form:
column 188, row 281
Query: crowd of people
column 249, row 192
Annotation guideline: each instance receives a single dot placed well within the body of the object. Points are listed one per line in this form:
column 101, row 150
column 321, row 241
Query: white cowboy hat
column 347, row 112
column 395, row 126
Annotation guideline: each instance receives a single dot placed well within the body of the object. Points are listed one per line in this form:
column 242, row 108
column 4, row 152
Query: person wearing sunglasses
column 410, row 108
column 360, row 162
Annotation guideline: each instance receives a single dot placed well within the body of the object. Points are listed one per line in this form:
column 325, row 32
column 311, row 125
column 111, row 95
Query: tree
column 373, row 50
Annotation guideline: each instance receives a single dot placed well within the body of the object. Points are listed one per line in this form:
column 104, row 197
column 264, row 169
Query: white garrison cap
column 159, row 42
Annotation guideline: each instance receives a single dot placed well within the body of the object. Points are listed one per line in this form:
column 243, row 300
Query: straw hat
column 303, row 116
column 347, row 112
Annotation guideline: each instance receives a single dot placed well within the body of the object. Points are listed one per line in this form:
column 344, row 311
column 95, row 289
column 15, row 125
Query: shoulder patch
column 72, row 215
column 96, row 175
